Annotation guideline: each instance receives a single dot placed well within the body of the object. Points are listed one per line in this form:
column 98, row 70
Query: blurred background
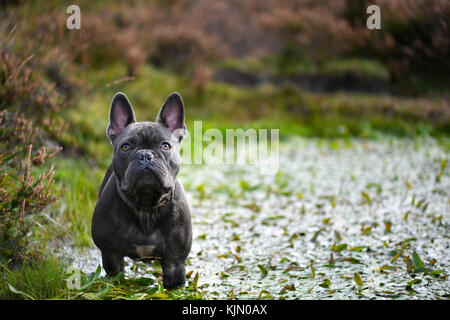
column 309, row 68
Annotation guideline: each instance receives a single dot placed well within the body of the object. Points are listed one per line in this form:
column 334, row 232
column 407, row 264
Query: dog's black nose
column 145, row 157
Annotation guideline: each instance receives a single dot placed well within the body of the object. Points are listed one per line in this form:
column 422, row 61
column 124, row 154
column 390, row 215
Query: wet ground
column 340, row 220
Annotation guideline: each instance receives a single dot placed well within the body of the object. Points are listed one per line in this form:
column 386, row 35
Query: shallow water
column 272, row 235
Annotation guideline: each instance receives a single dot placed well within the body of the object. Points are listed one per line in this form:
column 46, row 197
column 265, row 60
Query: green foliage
column 24, row 190
column 28, row 104
column 78, row 204
column 35, row 280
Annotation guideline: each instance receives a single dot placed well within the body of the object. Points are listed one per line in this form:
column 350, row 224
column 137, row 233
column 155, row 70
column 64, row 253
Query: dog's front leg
column 174, row 274
column 112, row 263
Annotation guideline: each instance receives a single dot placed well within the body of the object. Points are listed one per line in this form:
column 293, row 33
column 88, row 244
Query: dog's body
column 142, row 211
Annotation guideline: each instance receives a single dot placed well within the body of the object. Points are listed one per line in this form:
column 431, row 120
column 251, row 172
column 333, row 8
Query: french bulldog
column 142, row 212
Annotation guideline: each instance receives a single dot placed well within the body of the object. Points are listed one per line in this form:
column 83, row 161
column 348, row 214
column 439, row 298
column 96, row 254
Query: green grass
column 80, row 179
column 95, row 287
column 221, row 106
column 276, row 65
column 43, row 279
column 51, row 278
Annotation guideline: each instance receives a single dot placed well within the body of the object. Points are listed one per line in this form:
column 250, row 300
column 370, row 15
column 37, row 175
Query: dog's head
column 146, row 154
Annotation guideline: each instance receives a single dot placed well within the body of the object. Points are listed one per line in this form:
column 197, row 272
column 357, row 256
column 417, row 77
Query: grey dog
column 142, row 212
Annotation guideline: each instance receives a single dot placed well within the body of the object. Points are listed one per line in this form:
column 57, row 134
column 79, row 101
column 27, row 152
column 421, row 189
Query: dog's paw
column 173, row 283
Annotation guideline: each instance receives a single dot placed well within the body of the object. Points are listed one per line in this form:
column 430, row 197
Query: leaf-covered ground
column 340, row 220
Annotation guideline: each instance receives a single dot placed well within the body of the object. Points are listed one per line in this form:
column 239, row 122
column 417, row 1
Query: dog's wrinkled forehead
column 146, row 134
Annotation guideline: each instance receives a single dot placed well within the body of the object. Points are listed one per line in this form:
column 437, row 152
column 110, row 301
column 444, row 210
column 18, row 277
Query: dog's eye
column 125, row 147
column 165, row 146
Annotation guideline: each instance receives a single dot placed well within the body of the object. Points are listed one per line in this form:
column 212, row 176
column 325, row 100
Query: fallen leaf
column 237, row 257
column 313, row 272
column 366, row 197
column 436, row 273
column 366, row 230
column 405, row 217
column 263, row 269
column 325, row 284
column 358, row 249
column 159, row 295
column 195, row 283
column 316, row 234
column 415, row 281
column 409, row 266
column 289, row 287
column 331, row 260
column 387, row 226
column 385, row 267
column 358, row 280
column 397, row 255
column 352, row 260
column 339, row 248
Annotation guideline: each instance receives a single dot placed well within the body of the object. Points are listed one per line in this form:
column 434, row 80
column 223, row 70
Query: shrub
column 164, row 35
column 38, row 87
column 413, row 41
column 23, row 192
column 311, row 30
column 414, row 38
column 29, row 94
column 184, row 50
column 29, row 104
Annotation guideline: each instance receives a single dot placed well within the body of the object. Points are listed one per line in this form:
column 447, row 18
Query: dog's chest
column 149, row 249
column 145, row 251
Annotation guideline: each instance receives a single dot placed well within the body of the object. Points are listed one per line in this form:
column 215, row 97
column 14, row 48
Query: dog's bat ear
column 120, row 115
column 171, row 115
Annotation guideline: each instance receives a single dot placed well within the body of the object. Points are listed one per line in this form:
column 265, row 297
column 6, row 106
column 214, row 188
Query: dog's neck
column 164, row 201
